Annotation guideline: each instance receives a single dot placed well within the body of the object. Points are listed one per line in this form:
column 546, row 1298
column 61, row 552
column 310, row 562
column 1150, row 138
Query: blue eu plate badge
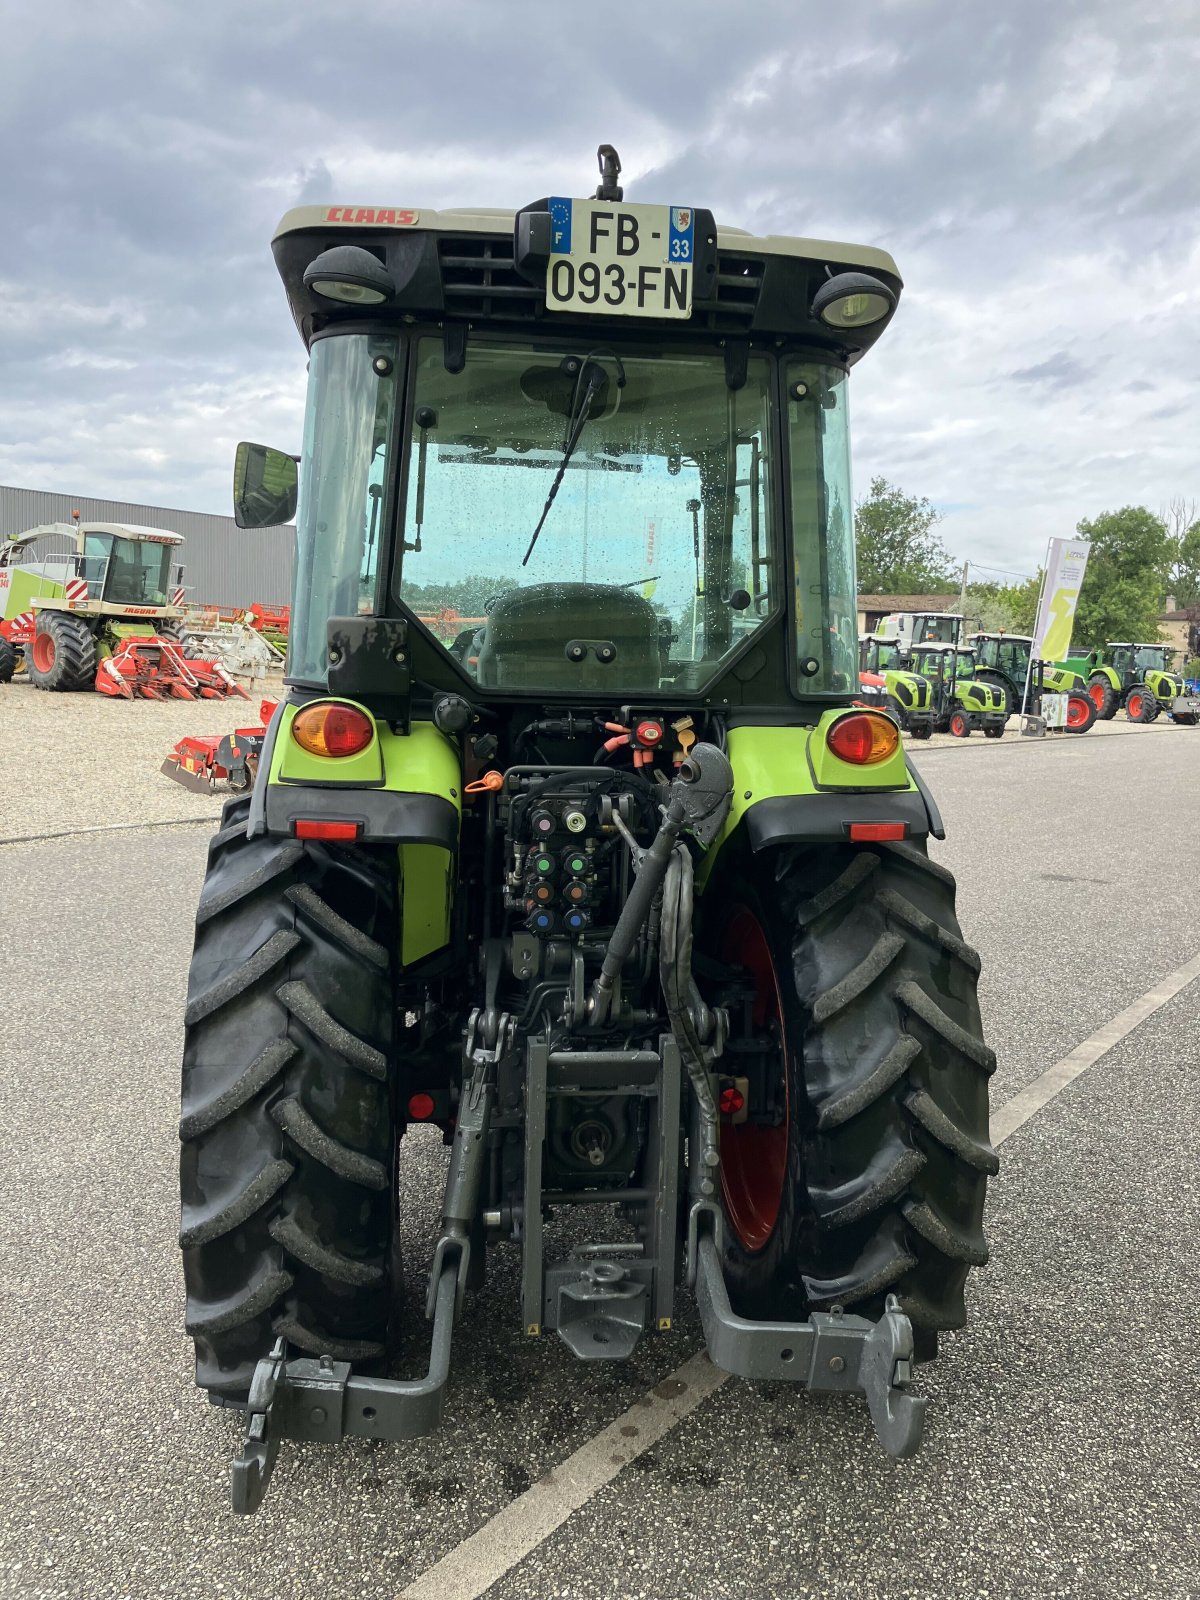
column 683, row 223
column 560, row 226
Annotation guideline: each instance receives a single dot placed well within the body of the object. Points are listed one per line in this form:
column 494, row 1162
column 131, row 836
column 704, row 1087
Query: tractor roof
column 304, row 219
column 1004, row 637
column 461, row 265
column 134, row 530
column 123, row 530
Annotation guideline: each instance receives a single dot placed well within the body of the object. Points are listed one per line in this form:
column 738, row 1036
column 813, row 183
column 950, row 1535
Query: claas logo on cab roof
column 381, row 216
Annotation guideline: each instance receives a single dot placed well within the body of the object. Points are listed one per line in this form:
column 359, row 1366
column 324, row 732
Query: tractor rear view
column 613, row 884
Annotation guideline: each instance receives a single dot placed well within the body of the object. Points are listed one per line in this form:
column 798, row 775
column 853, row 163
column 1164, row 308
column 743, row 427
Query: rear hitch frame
column 828, row 1351
column 322, row 1401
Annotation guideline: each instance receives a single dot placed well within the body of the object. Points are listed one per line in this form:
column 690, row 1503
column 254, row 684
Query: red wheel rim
column 43, row 652
column 753, row 1157
column 1096, row 690
column 1135, row 706
column 1077, row 711
column 957, row 724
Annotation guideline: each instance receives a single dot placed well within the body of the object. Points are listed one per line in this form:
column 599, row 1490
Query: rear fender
column 789, row 788
column 403, row 790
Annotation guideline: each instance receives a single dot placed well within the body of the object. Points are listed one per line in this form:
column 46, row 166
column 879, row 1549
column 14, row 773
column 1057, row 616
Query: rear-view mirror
column 264, row 486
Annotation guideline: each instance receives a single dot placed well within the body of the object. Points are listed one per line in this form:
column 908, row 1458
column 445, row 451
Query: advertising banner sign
column 1066, row 563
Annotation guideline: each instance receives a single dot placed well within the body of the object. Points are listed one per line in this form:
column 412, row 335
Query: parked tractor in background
column 910, row 628
column 929, row 643
column 907, row 695
column 961, row 702
column 1138, row 677
column 619, row 889
column 99, row 606
column 1002, row 659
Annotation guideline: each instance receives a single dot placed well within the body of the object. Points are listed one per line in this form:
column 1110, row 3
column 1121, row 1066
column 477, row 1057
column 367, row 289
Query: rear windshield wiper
column 591, row 381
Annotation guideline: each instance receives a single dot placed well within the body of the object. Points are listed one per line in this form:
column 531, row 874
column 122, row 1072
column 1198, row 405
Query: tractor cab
column 913, row 628
column 1005, row 653
column 103, row 567
column 878, row 653
column 578, row 455
column 1133, row 662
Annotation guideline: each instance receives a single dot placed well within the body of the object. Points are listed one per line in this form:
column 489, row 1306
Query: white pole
column 1033, row 642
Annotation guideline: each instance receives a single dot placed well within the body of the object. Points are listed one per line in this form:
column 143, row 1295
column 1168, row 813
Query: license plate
column 618, row 260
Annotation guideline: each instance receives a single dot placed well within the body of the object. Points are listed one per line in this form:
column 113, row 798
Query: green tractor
column 961, row 701
column 614, row 886
column 1138, row 677
column 882, row 680
column 1002, row 659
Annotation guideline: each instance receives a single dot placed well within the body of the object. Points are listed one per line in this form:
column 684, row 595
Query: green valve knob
column 576, row 865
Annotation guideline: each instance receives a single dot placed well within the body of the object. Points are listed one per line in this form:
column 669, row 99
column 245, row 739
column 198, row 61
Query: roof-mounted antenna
column 610, row 171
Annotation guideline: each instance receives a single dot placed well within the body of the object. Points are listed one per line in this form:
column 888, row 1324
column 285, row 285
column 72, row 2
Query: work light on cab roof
column 572, row 837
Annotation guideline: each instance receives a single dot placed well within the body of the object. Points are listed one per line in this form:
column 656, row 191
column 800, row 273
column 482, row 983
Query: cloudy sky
column 1033, row 167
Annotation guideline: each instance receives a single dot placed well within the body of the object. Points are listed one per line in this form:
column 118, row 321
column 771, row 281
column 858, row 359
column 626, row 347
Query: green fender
column 790, row 788
column 402, row 789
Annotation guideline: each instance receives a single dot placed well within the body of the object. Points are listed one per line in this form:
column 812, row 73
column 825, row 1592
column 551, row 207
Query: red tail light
column 863, row 738
column 332, row 730
column 732, row 1100
column 420, row 1107
column 877, row 830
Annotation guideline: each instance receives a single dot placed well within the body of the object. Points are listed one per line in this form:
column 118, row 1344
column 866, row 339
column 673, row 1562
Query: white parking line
column 1055, row 1079
column 474, row 1566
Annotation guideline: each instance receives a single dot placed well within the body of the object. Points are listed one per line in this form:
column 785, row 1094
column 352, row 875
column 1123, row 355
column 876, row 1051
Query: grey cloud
column 1059, row 371
column 985, row 148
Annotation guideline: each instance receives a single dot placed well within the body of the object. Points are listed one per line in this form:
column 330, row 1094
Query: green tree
column 1008, row 606
column 898, row 551
column 467, row 595
column 1185, row 572
column 1126, row 576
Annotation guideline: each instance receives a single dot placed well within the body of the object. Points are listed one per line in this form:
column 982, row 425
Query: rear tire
column 63, row 653
column 8, row 659
column 1104, row 697
column 1081, row 712
column 288, row 1141
column 884, row 1167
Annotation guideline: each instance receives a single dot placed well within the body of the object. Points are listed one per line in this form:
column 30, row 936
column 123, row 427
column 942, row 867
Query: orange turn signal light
column 332, row 730
column 863, row 738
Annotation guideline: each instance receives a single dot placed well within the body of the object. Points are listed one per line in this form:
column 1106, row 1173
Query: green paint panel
column 26, row 587
column 426, row 896
column 422, row 761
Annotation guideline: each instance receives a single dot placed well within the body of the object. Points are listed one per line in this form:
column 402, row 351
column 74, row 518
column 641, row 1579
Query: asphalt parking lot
column 1061, row 1454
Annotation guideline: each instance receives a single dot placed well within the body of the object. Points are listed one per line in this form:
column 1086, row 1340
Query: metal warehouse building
column 225, row 565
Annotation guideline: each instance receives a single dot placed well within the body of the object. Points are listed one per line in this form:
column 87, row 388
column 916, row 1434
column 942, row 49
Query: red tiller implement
column 157, row 669
column 228, row 760
column 269, row 619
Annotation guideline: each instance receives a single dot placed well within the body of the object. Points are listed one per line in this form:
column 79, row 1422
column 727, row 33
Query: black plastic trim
column 383, row 815
column 936, row 826
column 817, row 818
